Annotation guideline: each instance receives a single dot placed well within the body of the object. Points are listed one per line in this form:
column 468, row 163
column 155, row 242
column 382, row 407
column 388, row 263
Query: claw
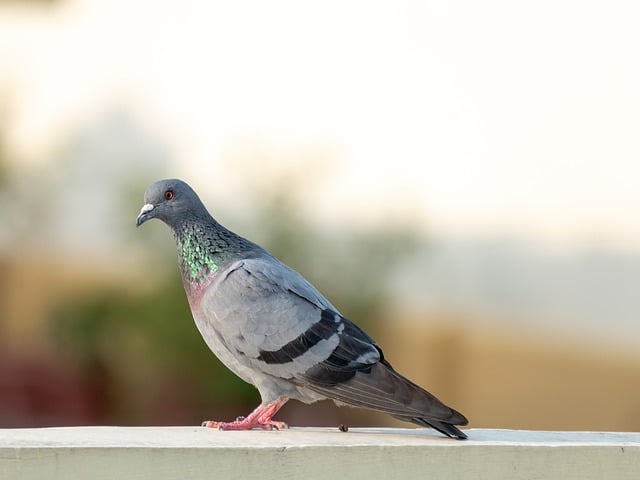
column 260, row 418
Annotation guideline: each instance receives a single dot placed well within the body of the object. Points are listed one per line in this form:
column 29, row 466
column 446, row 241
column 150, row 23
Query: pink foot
column 259, row 418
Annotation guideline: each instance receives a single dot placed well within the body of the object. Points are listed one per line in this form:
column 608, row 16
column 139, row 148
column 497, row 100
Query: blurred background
column 460, row 178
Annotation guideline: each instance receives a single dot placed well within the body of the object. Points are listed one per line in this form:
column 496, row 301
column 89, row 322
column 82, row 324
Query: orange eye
column 168, row 195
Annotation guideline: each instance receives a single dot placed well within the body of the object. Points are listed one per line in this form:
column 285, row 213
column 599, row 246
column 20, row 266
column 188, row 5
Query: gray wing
column 276, row 322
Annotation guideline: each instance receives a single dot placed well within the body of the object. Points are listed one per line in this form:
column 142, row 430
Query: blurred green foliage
column 145, row 346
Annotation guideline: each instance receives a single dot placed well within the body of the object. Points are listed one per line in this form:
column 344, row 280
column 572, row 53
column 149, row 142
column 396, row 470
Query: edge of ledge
column 198, row 437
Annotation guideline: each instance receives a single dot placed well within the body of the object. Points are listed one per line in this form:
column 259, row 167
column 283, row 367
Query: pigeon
column 275, row 330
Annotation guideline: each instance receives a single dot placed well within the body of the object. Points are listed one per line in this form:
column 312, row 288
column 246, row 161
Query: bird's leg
column 259, row 418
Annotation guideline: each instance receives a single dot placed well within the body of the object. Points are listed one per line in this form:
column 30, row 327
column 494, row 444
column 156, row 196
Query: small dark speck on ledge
column 343, row 428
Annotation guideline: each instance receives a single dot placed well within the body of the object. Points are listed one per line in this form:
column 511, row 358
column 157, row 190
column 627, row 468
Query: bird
column 275, row 330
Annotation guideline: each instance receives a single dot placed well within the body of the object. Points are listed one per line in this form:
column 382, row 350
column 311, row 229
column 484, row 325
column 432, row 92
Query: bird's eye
column 168, row 195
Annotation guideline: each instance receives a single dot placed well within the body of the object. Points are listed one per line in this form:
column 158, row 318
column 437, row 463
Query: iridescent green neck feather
column 197, row 258
column 204, row 246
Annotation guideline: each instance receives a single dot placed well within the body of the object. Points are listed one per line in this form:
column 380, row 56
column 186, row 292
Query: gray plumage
column 273, row 329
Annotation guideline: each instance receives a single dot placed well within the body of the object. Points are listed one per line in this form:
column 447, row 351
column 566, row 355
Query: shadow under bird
column 275, row 330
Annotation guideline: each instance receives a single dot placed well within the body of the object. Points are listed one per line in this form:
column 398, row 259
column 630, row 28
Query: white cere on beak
column 146, row 208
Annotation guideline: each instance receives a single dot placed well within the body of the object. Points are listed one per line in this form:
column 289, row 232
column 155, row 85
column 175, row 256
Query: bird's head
column 170, row 201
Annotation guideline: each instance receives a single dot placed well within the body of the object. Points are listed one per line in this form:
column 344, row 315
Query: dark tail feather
column 381, row 388
column 443, row 427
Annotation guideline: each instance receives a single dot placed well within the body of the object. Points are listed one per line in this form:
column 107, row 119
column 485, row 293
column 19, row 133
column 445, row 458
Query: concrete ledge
column 313, row 453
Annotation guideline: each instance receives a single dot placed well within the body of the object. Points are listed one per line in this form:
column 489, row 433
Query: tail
column 383, row 389
column 447, row 428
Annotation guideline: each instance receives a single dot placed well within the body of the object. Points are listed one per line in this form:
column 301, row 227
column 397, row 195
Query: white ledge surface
column 313, row 453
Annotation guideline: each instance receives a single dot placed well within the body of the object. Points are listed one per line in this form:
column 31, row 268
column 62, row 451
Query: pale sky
column 490, row 118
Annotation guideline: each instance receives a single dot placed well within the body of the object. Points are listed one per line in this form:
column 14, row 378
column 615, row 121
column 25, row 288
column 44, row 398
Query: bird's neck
column 204, row 246
column 197, row 256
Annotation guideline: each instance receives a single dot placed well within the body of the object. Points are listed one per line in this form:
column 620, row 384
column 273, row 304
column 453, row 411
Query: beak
column 146, row 213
